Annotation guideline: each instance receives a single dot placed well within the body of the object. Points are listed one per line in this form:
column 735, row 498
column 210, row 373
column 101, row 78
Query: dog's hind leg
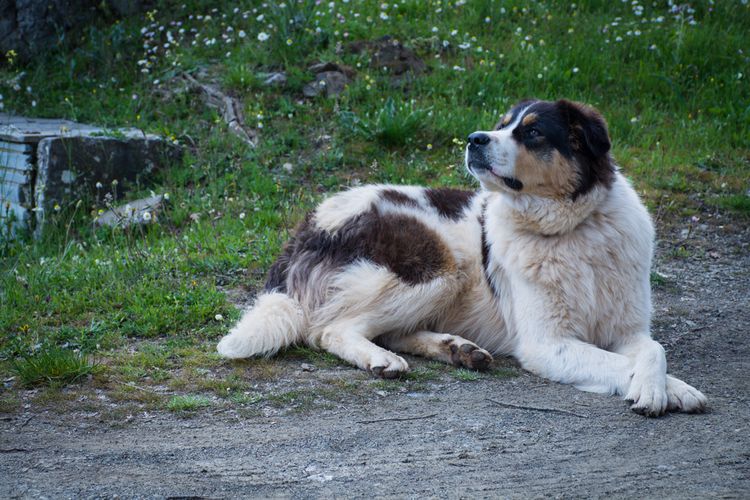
column 351, row 341
column 444, row 347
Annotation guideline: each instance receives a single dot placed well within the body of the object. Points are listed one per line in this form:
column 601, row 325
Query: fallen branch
column 230, row 108
column 396, row 419
column 536, row 408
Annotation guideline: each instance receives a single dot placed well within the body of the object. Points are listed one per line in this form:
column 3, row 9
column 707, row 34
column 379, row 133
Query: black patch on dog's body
column 486, row 251
column 400, row 243
column 399, row 198
column 449, row 203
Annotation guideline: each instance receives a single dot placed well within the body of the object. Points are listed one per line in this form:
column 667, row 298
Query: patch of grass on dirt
column 52, row 367
column 465, row 375
column 320, row 359
column 188, row 403
column 739, row 203
column 245, row 398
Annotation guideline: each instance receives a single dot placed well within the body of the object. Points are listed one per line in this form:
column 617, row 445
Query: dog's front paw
column 648, row 394
column 684, row 397
column 388, row 365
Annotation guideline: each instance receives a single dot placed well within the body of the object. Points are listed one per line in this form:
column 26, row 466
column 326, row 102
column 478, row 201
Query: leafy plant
column 392, row 125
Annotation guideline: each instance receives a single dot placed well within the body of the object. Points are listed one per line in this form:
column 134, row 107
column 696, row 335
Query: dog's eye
column 532, row 132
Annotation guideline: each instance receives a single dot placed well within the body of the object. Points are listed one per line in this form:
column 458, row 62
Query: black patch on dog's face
column 575, row 131
column 450, row 203
column 589, row 143
column 398, row 198
column 400, row 243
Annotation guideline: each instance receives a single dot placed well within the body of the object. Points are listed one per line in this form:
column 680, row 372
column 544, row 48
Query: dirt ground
column 451, row 439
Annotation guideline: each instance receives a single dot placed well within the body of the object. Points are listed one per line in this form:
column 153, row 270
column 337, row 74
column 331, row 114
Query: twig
column 230, row 108
column 536, row 408
column 396, row 419
column 26, row 422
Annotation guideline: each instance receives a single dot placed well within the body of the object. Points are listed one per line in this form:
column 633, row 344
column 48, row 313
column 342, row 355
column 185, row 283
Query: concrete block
column 45, row 163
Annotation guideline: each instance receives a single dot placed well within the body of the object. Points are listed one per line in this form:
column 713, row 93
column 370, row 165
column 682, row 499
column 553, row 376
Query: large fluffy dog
column 549, row 263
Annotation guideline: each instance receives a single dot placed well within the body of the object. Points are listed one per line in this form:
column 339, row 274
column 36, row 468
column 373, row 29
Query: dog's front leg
column 571, row 361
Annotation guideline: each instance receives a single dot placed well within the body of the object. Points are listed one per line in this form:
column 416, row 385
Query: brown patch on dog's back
column 450, row 203
column 412, row 251
column 398, row 198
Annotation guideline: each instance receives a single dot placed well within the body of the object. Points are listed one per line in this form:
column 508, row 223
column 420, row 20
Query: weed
column 188, row 403
column 739, row 203
column 245, row 398
column 392, row 125
column 55, row 367
column 465, row 375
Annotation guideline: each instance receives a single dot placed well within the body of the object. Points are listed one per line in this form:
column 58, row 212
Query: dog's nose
column 479, row 138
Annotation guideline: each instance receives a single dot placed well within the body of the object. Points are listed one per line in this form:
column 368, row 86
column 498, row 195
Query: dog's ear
column 588, row 130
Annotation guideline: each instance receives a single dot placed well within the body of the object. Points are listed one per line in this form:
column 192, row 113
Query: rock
column 275, row 79
column 322, row 67
column 332, row 83
column 390, row 54
column 31, row 27
column 143, row 211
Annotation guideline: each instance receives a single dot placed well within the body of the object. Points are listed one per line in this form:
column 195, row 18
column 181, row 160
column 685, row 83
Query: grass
column 188, row 403
column 54, row 367
column 671, row 81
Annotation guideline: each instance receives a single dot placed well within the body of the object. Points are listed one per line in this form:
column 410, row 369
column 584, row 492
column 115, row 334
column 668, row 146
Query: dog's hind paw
column 469, row 355
column 684, row 397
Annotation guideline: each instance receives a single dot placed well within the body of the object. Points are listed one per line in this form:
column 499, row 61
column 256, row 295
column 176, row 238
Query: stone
column 275, row 79
column 46, row 164
column 330, row 83
column 390, row 54
column 143, row 211
column 31, row 27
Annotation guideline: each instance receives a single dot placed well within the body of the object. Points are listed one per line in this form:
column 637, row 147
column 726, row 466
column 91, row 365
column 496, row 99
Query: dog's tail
column 276, row 320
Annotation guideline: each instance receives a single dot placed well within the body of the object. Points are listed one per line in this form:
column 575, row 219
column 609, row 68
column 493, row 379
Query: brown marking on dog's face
column 450, row 203
column 528, row 119
column 569, row 138
column 547, row 174
column 505, row 119
column 398, row 198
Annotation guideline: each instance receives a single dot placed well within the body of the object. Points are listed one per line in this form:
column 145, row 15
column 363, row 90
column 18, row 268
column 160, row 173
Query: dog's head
column 555, row 150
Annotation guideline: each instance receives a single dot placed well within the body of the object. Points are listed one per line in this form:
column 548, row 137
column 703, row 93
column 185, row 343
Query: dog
column 549, row 262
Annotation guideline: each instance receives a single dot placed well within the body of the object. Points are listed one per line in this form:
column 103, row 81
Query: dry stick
column 535, row 408
column 396, row 419
column 231, row 109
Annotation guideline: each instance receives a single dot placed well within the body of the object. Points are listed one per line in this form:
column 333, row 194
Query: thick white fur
column 573, row 300
column 275, row 321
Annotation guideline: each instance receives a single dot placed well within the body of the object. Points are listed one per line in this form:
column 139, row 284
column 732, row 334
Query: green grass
column 464, row 375
column 672, row 85
column 188, row 403
column 53, row 367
